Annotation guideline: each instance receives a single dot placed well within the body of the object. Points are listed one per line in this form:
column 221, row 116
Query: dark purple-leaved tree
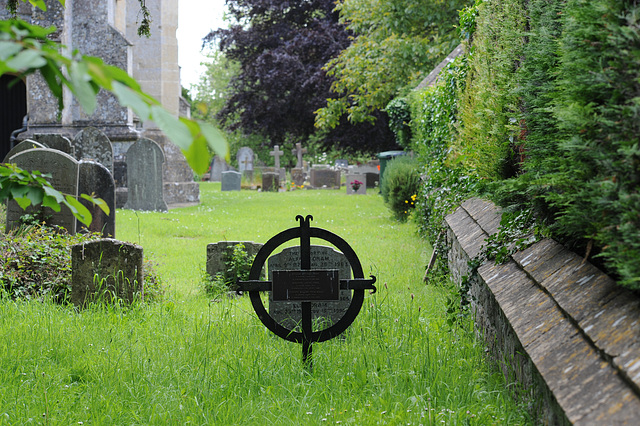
column 281, row 47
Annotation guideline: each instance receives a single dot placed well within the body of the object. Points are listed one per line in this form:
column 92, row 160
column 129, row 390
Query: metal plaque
column 306, row 285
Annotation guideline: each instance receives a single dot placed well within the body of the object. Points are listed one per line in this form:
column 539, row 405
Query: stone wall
column 558, row 327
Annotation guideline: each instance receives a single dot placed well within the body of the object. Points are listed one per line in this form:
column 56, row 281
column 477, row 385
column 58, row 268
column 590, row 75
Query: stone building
column 106, row 29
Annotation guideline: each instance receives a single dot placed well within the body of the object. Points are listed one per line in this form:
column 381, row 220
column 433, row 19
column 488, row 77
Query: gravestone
column 270, row 181
column 218, row 254
column 144, row 176
column 276, row 154
column 22, row 146
column 297, row 176
column 351, row 180
column 289, row 314
column 92, row 144
column 231, row 181
column 94, row 178
column 371, row 172
column 63, row 169
column 55, row 141
column 106, row 269
column 218, row 165
column 245, row 162
column 298, row 151
column 325, row 178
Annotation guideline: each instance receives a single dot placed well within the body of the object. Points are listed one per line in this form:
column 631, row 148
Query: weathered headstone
column 55, row 141
column 105, row 270
column 297, row 176
column 63, row 169
column 270, row 181
column 298, row 151
column 92, row 144
column 218, row 254
column 218, row 165
column 23, row 146
column 245, row 161
column 144, row 176
column 95, row 178
column 289, row 314
column 356, row 184
column 276, row 154
column 325, row 178
column 231, row 181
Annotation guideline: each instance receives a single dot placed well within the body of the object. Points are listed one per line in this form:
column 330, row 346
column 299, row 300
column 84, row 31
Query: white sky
column 195, row 19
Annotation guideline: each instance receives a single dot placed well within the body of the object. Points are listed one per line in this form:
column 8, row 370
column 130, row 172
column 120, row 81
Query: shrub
column 35, row 262
column 237, row 262
column 401, row 183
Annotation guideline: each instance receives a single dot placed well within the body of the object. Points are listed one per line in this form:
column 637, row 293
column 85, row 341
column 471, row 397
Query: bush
column 35, row 262
column 400, row 186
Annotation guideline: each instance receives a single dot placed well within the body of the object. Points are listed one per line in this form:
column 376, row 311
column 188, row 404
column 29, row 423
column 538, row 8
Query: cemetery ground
column 193, row 359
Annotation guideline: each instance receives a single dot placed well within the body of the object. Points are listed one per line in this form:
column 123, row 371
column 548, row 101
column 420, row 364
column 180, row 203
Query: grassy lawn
column 192, row 360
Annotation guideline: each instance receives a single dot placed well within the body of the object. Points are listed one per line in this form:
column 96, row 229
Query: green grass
column 191, row 360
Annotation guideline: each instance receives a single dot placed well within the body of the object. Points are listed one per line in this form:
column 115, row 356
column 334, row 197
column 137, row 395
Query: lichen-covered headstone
column 92, row 144
column 63, row 169
column 325, row 178
column 106, row 270
column 289, row 314
column 22, row 146
column 245, row 159
column 218, row 254
column 55, row 141
column 270, row 181
column 144, row 176
column 297, row 176
column 218, row 165
column 95, row 179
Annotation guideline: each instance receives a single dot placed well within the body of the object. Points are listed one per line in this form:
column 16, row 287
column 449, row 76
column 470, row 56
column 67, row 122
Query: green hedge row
column 545, row 113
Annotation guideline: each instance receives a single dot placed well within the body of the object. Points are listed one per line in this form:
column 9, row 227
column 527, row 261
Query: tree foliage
column 281, row 48
column 397, row 42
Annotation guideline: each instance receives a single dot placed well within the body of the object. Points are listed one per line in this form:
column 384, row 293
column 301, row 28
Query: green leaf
column 40, row 4
column 172, row 127
column 78, row 210
column 8, row 49
column 129, row 98
column 49, row 201
column 26, row 59
column 98, row 202
column 81, row 86
column 23, row 202
column 35, row 195
column 215, row 139
column 54, row 193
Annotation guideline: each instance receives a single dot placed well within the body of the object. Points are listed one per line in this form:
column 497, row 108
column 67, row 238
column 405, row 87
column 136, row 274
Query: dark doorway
column 13, row 108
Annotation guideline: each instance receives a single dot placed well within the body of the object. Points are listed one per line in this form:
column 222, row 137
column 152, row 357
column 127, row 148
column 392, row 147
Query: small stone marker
column 270, row 181
column 106, row 268
column 144, row 176
column 22, row 146
column 297, row 176
column 217, row 254
column 218, row 165
column 92, row 144
column 276, row 154
column 55, row 141
column 325, row 178
column 298, row 151
column 95, row 178
column 245, row 161
column 352, row 184
column 231, row 181
column 289, row 314
column 63, row 169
